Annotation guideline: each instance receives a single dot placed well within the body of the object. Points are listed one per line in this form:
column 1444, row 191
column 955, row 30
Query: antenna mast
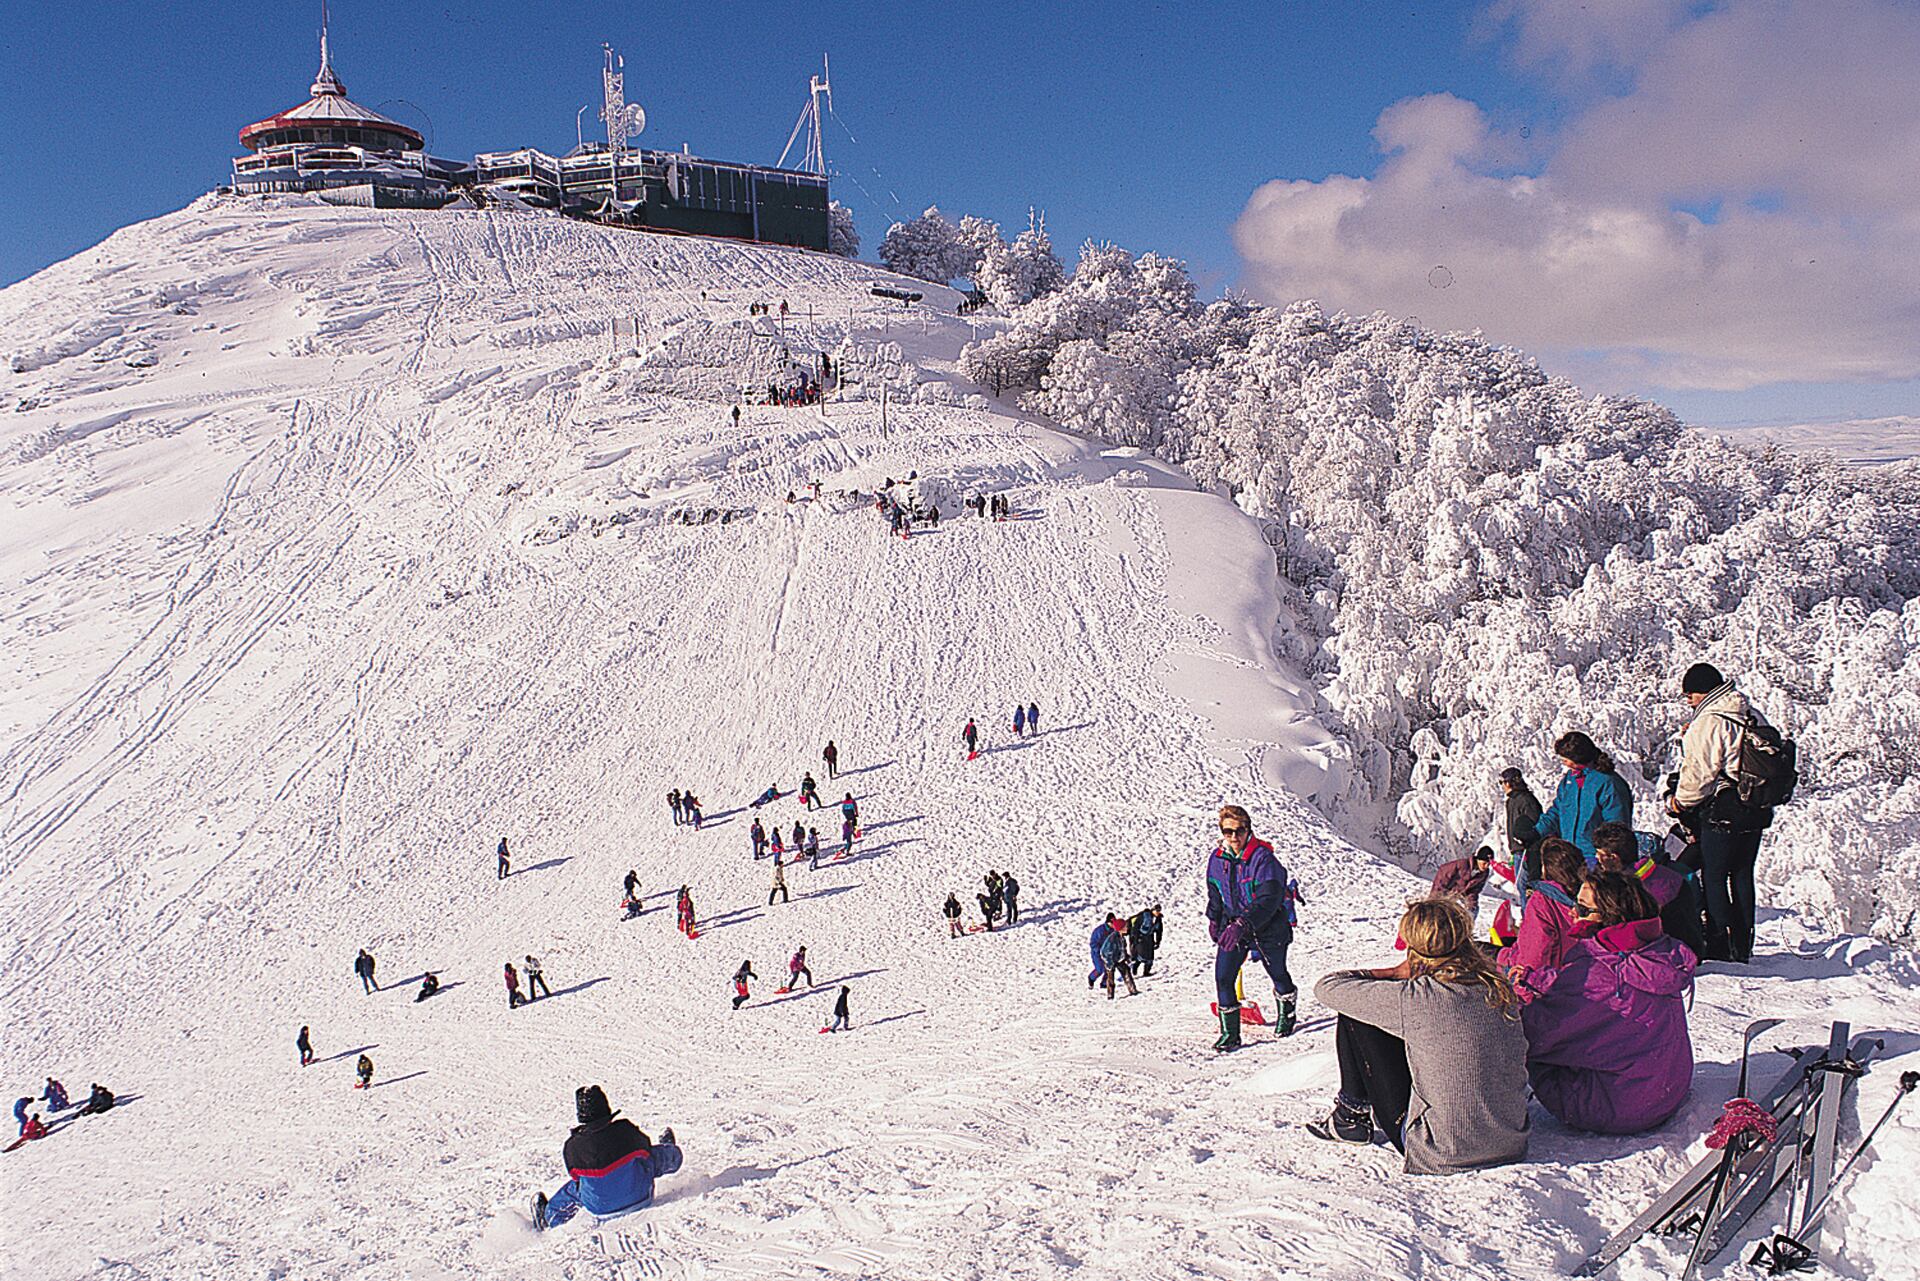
column 814, row 158
column 624, row 120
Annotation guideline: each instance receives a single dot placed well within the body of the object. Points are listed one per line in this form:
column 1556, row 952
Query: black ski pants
column 1726, row 878
column 781, row 892
column 536, row 979
column 1374, row 1074
column 366, row 982
column 1013, row 911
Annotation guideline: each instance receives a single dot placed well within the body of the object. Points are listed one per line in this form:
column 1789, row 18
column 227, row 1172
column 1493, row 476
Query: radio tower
column 624, row 119
column 814, row 159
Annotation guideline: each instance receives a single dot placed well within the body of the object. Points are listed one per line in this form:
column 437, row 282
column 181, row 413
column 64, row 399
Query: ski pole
column 1788, row 1254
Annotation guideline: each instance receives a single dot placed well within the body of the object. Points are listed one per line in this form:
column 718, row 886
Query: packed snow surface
column 339, row 544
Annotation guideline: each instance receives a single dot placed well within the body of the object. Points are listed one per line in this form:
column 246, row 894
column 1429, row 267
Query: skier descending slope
column 612, row 1164
column 1247, row 905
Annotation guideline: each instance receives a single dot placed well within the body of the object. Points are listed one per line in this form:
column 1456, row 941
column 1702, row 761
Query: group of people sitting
column 99, row 1099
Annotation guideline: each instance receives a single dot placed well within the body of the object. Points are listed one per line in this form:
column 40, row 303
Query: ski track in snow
column 377, row 564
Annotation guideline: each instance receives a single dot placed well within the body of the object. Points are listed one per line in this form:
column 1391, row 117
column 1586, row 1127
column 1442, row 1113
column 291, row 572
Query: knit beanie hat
column 1702, row 678
column 590, row 1105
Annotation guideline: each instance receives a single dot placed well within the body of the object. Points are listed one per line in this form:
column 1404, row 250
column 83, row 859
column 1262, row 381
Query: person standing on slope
column 1726, row 829
column 809, row 792
column 1143, row 937
column 506, row 863
column 1033, row 718
column 1590, row 793
column 673, row 803
column 304, row 1044
column 797, row 966
column 842, row 1021
column 536, row 980
column 690, row 809
column 514, row 999
column 1247, row 906
column 1097, row 947
column 363, row 966
column 683, row 911
column 779, row 882
column 758, row 836
column 831, row 755
column 364, row 1069
column 971, row 736
column 850, row 809
column 1019, row 721
column 1010, row 897
column 611, row 1164
column 630, row 885
column 1113, row 957
column 56, row 1094
column 799, row 841
column 952, row 912
column 777, row 846
column 989, row 910
column 740, row 977
column 813, row 850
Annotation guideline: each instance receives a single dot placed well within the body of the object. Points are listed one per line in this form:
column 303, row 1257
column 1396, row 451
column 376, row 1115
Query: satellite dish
column 634, row 120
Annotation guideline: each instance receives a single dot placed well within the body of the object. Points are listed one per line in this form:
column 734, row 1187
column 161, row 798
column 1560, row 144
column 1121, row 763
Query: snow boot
column 539, row 1212
column 1229, row 1031
column 1289, row 1014
column 666, row 1135
column 1344, row 1125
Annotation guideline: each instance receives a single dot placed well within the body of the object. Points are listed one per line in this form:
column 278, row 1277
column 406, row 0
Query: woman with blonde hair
column 1431, row 1050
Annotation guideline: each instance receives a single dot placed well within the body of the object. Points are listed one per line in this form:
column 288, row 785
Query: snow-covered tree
column 1481, row 558
column 843, row 237
column 926, row 248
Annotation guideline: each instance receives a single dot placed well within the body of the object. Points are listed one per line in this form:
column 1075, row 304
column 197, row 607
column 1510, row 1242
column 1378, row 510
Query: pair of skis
column 1716, row 1197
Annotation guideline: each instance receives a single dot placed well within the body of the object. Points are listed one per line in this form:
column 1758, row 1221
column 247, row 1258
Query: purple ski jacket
column 1607, row 1045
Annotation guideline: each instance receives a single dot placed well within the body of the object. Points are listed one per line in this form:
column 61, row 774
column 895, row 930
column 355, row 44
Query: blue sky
column 1146, row 124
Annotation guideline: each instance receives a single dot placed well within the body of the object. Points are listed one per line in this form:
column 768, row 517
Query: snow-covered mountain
column 339, row 544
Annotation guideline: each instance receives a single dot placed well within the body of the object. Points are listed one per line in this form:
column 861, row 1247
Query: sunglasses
column 1584, row 912
column 1229, row 829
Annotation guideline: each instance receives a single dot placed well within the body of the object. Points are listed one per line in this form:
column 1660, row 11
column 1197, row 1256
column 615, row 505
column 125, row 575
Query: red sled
column 973, row 756
column 693, row 933
column 825, row 1030
column 781, row 991
column 1249, row 1013
column 976, row 929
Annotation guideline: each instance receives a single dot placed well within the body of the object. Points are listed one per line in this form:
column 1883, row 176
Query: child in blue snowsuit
column 612, row 1162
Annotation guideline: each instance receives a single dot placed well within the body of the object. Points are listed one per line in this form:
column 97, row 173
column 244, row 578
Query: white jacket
column 1710, row 749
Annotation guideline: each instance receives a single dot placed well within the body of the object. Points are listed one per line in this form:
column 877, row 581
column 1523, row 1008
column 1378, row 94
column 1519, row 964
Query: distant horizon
column 1440, row 165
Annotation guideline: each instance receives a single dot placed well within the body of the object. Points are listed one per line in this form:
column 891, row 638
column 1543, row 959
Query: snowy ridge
column 384, row 556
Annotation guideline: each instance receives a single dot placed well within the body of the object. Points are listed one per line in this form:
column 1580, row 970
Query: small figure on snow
column 831, row 755
column 1019, row 721
column 690, row 808
column 971, row 736
column 777, row 846
column 813, row 850
column 757, row 835
column 429, row 984
column 363, row 966
column 611, row 1164
column 56, row 1095
column 20, row 1107
column 799, row 838
column 740, row 977
column 797, row 967
column 683, row 912
column 809, row 792
column 842, row 1021
column 506, row 862
column 1010, row 897
column 952, row 912
column 673, row 803
column 514, row 999
column 767, row 797
column 536, row 978
column 1114, row 961
column 850, row 809
column 779, row 882
column 1033, row 718
column 630, row 886
column 304, row 1044
column 364, row 1070
column 1144, row 933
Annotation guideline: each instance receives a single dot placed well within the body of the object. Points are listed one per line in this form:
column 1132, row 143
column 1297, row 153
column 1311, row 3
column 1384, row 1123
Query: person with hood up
column 1096, row 945
column 1010, row 897
column 1247, row 906
column 951, row 911
column 363, row 966
column 1590, row 792
column 611, row 1164
column 1144, row 931
column 1607, row 1044
column 1547, row 927
column 304, row 1044
column 842, row 1021
column 1521, row 810
column 1431, row 1050
column 970, row 735
column 1114, row 960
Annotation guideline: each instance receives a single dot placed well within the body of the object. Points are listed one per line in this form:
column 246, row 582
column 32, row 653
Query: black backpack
column 1766, row 768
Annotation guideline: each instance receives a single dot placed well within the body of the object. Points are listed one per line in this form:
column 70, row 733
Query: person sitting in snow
column 429, row 984
column 56, row 1095
column 1607, row 1045
column 98, row 1100
column 1547, row 927
column 611, row 1164
column 1464, row 878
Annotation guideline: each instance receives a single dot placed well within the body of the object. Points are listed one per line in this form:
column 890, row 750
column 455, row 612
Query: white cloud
column 1801, row 117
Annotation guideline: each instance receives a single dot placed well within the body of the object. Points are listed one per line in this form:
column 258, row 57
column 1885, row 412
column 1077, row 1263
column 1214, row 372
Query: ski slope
column 338, row 544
